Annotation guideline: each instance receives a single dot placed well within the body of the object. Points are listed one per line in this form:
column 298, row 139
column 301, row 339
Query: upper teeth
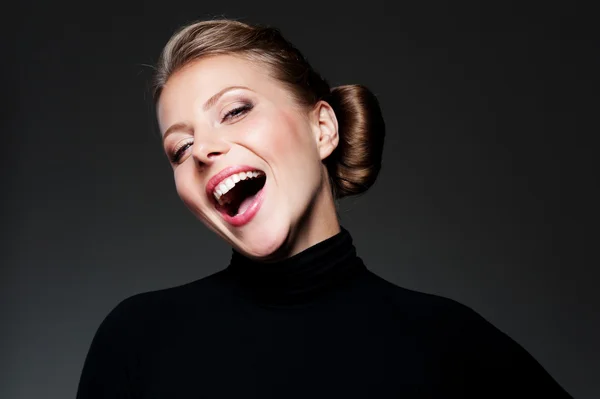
column 231, row 181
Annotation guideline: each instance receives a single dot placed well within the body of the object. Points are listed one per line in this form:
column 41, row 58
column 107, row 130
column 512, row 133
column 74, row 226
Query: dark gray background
column 486, row 194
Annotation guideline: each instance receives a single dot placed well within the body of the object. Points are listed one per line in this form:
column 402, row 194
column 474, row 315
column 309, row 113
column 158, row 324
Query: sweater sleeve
column 108, row 369
column 497, row 366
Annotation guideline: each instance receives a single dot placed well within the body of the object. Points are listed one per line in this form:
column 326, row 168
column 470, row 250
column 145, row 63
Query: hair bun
column 355, row 164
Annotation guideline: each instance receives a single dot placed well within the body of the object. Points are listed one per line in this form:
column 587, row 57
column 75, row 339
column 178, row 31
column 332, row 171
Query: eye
column 237, row 112
column 178, row 151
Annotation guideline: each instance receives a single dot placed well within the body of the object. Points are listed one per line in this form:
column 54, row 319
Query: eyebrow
column 175, row 127
column 213, row 100
column 207, row 105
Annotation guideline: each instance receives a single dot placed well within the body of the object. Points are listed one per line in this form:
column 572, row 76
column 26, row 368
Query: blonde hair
column 354, row 165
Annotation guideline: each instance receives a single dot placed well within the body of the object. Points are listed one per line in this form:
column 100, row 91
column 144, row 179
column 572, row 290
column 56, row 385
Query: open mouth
column 238, row 192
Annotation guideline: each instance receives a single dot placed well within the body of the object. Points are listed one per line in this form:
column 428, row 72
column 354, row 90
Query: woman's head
column 232, row 98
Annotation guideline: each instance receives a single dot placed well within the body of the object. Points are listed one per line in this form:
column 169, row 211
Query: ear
column 326, row 129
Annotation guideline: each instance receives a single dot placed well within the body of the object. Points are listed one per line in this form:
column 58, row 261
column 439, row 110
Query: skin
column 271, row 132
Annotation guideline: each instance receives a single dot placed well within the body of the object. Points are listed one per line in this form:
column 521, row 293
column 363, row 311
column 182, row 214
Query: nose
column 208, row 151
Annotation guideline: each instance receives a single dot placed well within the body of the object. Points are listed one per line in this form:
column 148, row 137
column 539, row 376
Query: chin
column 265, row 241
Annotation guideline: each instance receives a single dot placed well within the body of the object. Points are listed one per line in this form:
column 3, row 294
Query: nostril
column 207, row 158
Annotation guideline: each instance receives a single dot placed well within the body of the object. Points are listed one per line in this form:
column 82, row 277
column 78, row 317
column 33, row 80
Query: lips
column 222, row 175
column 252, row 208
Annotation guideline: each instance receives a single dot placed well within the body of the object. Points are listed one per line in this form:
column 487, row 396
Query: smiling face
column 225, row 114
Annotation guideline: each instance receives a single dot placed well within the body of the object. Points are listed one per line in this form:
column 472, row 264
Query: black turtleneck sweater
column 316, row 325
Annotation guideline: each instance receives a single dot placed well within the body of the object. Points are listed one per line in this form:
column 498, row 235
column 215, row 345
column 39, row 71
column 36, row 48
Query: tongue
column 246, row 204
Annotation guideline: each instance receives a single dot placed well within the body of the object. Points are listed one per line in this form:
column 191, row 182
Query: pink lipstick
column 248, row 207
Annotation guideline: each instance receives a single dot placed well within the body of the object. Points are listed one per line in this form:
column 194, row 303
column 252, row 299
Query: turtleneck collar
column 301, row 278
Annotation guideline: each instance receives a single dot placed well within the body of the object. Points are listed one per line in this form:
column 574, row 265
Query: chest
column 357, row 352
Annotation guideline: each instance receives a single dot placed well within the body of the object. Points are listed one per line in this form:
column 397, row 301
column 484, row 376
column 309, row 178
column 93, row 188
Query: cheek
column 283, row 136
column 293, row 156
column 188, row 189
column 298, row 150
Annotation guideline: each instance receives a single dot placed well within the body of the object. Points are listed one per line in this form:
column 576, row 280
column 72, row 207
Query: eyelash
column 234, row 113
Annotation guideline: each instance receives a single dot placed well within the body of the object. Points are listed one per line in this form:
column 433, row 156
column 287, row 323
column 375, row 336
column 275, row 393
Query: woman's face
column 224, row 115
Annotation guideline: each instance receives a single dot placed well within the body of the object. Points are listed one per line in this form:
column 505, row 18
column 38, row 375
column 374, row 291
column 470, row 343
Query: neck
column 301, row 278
column 317, row 225
column 300, row 239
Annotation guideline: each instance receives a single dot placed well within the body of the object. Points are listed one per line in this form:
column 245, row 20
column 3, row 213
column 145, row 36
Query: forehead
column 196, row 82
column 216, row 70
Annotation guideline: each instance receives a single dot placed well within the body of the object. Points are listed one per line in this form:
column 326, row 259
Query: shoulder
column 449, row 325
column 154, row 306
column 425, row 307
column 132, row 328
column 477, row 351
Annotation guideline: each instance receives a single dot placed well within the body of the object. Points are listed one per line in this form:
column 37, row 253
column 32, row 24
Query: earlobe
column 327, row 129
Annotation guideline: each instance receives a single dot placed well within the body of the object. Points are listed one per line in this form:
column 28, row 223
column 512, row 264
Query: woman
column 261, row 148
